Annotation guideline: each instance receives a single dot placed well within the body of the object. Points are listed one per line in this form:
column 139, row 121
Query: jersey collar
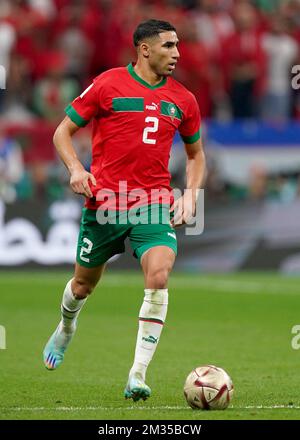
column 141, row 81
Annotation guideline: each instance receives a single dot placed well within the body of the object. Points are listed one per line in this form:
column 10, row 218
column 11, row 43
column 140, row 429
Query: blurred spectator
column 244, row 62
column 108, row 50
column 52, row 93
column 235, row 57
column 18, row 93
column 195, row 70
column 170, row 10
column 11, row 168
column 282, row 52
column 73, row 40
column 213, row 24
column 30, row 27
column 7, row 41
column 222, row 38
column 127, row 18
column 44, row 7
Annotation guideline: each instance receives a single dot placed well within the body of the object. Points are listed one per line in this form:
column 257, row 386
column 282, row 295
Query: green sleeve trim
column 75, row 117
column 191, row 139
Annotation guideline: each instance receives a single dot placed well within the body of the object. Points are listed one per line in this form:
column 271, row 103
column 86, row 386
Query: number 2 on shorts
column 86, row 250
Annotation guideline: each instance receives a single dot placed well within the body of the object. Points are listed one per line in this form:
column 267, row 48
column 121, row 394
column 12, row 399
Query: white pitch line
column 94, row 408
column 267, row 407
column 139, row 408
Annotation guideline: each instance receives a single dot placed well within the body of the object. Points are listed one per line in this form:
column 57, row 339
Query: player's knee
column 158, row 279
column 81, row 288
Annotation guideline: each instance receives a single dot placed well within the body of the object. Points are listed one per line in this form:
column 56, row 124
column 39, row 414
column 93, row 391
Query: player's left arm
column 185, row 206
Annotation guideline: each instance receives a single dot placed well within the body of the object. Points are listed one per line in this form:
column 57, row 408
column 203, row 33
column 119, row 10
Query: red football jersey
column 134, row 124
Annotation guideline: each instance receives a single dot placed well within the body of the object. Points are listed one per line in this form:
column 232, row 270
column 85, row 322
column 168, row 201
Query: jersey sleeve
column 85, row 106
column 190, row 127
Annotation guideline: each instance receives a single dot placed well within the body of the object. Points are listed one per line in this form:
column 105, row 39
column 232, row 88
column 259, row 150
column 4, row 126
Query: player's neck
column 144, row 72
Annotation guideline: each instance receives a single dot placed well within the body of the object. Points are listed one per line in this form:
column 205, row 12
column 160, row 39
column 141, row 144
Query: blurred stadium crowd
column 236, row 57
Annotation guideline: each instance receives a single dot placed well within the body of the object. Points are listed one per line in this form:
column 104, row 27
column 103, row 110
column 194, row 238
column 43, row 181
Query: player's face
column 163, row 53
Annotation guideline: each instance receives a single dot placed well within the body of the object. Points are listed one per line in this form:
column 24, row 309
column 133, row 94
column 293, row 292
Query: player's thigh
column 161, row 237
column 158, row 259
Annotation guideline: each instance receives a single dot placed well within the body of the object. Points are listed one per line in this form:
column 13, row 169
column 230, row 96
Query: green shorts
column 100, row 239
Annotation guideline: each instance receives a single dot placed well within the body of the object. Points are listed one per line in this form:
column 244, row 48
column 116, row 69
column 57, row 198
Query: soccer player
column 135, row 111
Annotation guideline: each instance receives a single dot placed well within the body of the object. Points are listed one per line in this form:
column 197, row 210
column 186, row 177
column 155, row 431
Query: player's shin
column 151, row 321
column 70, row 309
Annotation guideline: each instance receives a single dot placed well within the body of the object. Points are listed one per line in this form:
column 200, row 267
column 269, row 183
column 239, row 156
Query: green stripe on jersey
column 75, row 117
column 191, row 139
column 170, row 109
column 128, row 104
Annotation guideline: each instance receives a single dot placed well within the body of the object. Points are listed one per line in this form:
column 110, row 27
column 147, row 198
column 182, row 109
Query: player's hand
column 184, row 209
column 79, row 182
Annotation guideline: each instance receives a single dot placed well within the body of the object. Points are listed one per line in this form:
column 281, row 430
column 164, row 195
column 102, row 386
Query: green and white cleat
column 136, row 389
column 55, row 348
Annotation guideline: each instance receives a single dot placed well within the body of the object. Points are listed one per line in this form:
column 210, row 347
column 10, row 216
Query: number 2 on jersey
column 150, row 129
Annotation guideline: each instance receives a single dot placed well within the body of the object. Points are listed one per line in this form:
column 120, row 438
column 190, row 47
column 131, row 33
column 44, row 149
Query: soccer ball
column 208, row 387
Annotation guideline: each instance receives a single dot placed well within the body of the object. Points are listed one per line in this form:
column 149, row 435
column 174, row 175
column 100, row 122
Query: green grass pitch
column 241, row 322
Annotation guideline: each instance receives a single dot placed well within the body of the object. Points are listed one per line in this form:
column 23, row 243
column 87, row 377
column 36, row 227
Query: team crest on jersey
column 172, row 111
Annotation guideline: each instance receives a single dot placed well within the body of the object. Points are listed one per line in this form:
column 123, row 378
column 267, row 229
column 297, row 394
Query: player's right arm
column 79, row 177
column 81, row 110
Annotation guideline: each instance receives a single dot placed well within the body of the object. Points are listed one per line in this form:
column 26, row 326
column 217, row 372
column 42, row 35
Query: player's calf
column 57, row 344
column 81, row 288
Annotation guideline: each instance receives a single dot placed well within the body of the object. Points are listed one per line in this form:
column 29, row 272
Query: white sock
column 70, row 309
column 151, row 321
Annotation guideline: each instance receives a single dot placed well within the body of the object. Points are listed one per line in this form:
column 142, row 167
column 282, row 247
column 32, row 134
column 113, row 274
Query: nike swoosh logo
column 172, row 234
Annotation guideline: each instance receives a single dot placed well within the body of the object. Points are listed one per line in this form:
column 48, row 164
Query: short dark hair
column 151, row 28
